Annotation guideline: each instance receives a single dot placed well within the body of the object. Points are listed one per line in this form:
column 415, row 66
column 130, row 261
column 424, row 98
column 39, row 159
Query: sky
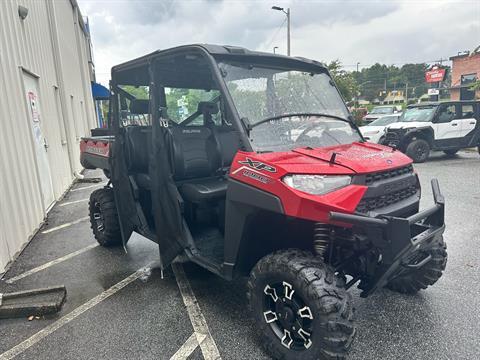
column 364, row 31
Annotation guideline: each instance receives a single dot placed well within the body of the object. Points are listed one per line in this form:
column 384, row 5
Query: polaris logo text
column 257, row 165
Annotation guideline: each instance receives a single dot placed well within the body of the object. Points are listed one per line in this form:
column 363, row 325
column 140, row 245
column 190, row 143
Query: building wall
column 49, row 47
column 464, row 65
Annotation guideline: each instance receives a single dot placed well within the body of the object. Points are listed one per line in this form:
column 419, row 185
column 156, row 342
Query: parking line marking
column 65, row 225
column 32, row 340
column 50, row 263
column 187, row 348
column 88, row 187
column 73, row 202
column 200, row 326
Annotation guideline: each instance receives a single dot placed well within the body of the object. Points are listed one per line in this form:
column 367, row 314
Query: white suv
column 375, row 131
column 447, row 126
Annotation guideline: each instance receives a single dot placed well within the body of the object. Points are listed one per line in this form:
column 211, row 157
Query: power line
column 276, row 33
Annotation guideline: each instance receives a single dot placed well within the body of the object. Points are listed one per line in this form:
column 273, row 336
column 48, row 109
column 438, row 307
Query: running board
column 205, row 262
column 37, row 302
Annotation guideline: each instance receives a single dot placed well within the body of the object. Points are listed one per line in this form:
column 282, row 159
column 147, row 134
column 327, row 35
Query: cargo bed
column 95, row 152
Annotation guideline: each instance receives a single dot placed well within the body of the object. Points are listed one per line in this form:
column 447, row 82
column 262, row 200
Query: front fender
column 425, row 133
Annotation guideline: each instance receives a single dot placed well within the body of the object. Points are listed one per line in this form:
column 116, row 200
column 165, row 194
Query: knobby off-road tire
column 305, row 287
column 415, row 280
column 418, row 150
column 104, row 218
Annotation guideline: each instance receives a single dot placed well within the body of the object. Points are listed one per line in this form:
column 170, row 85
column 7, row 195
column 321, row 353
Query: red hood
column 351, row 158
column 360, row 157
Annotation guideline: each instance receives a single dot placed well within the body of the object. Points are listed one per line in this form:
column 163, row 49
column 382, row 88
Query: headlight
column 316, row 184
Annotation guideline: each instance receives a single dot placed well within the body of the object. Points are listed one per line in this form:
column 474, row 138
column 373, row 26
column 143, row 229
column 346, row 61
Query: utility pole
column 287, row 12
column 355, row 102
column 288, row 31
column 406, row 93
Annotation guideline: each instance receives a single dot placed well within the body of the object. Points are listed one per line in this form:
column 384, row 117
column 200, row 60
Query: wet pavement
column 147, row 319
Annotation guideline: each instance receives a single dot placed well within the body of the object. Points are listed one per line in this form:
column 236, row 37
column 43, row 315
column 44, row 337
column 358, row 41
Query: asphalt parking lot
column 150, row 317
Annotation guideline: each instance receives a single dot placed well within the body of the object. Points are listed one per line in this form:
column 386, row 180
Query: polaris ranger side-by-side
column 250, row 164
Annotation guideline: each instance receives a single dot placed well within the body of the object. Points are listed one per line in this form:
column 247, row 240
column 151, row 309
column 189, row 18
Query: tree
column 475, row 86
column 346, row 83
column 140, row 92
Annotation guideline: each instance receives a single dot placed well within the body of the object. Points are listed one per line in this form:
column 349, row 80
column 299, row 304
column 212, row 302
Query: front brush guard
column 399, row 238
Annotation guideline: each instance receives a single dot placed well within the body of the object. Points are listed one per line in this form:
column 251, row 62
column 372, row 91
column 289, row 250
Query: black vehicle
column 445, row 126
column 250, row 164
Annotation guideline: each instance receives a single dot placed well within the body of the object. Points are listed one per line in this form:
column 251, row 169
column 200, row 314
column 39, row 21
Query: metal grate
column 393, row 136
column 371, row 178
column 375, row 203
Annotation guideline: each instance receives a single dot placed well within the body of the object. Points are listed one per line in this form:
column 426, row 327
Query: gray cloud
column 366, row 30
column 346, row 11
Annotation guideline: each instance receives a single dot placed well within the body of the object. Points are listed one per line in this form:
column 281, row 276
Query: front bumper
column 399, row 238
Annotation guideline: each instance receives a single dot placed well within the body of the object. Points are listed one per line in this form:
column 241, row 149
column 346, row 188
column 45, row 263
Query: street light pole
column 278, row 8
column 275, row 48
column 288, row 31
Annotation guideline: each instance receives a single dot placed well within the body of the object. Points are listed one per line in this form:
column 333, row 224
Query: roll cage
column 185, row 67
column 141, row 71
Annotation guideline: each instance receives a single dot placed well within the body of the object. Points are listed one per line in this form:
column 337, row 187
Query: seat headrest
column 139, row 106
column 207, row 107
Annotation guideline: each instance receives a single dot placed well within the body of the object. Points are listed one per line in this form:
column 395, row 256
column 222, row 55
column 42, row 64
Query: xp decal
column 258, row 165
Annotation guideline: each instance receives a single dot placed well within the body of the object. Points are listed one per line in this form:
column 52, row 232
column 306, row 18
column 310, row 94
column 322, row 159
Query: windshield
column 385, row 120
column 260, row 92
column 382, row 110
column 423, row 114
column 294, row 131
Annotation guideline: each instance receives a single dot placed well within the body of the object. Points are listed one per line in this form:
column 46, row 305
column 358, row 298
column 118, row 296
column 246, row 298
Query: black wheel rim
column 98, row 220
column 289, row 317
column 421, row 151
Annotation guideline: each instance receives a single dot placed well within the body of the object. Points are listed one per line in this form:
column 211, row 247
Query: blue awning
column 100, row 92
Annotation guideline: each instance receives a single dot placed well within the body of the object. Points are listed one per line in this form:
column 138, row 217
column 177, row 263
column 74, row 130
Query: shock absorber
column 321, row 238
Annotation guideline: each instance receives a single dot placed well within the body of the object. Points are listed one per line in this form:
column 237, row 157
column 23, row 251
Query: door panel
column 469, row 123
column 39, row 141
column 448, row 127
column 448, row 130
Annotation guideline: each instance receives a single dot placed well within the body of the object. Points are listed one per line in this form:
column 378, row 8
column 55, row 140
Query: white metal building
column 46, row 106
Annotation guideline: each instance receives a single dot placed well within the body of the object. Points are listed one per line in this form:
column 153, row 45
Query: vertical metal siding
column 29, row 44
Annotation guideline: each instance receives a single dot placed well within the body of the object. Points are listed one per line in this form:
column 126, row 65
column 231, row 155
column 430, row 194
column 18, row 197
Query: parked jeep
column 446, row 126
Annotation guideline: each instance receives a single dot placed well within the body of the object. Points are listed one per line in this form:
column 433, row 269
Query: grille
column 371, row 178
column 370, row 204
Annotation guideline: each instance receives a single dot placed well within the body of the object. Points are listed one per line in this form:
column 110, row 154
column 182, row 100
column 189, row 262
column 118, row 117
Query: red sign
column 435, row 75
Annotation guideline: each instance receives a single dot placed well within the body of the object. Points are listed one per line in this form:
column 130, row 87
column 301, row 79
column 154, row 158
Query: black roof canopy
column 182, row 64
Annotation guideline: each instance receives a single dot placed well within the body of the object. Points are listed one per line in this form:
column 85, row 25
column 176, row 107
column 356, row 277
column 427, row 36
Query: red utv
column 251, row 165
